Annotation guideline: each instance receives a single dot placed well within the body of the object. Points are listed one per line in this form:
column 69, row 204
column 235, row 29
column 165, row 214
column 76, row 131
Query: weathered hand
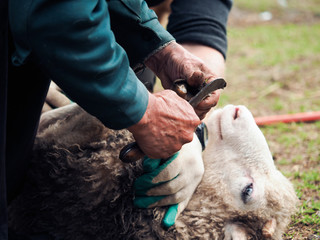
column 168, row 123
column 175, row 62
column 212, row 58
column 171, row 182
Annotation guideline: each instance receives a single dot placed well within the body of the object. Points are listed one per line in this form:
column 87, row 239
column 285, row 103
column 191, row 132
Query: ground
column 273, row 67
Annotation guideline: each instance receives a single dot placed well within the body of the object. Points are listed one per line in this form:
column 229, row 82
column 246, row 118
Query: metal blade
column 218, row 83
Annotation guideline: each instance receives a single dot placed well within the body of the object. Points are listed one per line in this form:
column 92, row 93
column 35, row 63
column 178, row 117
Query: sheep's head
column 248, row 195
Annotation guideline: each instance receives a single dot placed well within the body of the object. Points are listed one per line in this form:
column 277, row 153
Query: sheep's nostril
column 236, row 113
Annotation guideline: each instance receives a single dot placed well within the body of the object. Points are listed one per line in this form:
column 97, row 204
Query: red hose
column 287, row 118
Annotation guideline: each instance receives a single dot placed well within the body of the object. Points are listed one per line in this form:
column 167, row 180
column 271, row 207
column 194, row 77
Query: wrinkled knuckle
column 189, row 137
column 202, row 66
column 175, row 149
column 196, row 121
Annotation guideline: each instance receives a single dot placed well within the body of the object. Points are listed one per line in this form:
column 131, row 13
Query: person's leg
column 27, row 88
column 14, row 236
column 3, row 110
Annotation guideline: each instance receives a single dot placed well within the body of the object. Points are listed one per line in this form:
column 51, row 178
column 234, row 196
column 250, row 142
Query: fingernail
column 169, row 218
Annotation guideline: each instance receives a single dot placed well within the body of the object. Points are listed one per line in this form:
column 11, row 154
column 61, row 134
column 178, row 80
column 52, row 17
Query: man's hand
column 168, row 123
column 170, row 182
column 175, row 62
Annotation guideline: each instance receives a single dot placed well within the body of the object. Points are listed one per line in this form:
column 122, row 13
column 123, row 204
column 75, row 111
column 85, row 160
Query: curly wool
column 82, row 191
column 77, row 188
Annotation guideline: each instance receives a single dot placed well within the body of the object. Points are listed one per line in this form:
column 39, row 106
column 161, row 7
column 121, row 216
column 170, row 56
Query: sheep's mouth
column 226, row 115
column 236, row 113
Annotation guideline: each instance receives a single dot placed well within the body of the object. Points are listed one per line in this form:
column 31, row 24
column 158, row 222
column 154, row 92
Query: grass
column 271, row 45
column 309, row 210
column 297, row 154
column 274, row 68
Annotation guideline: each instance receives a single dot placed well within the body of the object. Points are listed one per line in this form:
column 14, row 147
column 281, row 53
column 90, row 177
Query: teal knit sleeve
column 137, row 29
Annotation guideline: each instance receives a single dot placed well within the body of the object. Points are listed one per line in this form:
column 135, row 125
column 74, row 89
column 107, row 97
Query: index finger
column 206, row 104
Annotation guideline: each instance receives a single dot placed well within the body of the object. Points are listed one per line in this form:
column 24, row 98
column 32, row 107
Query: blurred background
column 274, row 56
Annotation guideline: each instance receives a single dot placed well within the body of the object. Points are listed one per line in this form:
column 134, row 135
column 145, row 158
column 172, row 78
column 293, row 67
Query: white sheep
column 78, row 189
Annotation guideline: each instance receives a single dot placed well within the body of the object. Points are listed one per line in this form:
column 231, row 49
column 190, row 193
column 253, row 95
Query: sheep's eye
column 246, row 193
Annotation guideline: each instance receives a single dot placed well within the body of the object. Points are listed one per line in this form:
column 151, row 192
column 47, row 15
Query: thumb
column 173, row 213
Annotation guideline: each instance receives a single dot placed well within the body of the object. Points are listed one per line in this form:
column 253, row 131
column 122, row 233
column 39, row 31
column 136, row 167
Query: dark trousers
column 3, row 106
column 22, row 93
column 27, row 89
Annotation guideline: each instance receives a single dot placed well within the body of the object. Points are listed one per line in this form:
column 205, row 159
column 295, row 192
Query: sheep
column 77, row 188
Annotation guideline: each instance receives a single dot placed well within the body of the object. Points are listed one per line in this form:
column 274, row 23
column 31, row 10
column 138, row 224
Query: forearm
column 205, row 23
column 211, row 57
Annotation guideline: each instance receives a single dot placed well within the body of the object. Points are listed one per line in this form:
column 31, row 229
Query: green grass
column 296, row 140
column 299, row 159
column 262, row 5
column 308, row 180
column 273, row 68
column 307, row 188
column 272, row 5
column 270, row 45
column 308, row 214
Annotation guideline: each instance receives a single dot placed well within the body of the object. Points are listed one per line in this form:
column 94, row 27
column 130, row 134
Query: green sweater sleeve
column 73, row 42
column 137, row 29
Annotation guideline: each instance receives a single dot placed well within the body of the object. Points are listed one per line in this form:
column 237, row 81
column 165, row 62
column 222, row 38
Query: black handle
column 131, row 153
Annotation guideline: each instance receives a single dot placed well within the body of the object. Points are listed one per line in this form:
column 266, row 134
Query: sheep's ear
column 269, row 228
